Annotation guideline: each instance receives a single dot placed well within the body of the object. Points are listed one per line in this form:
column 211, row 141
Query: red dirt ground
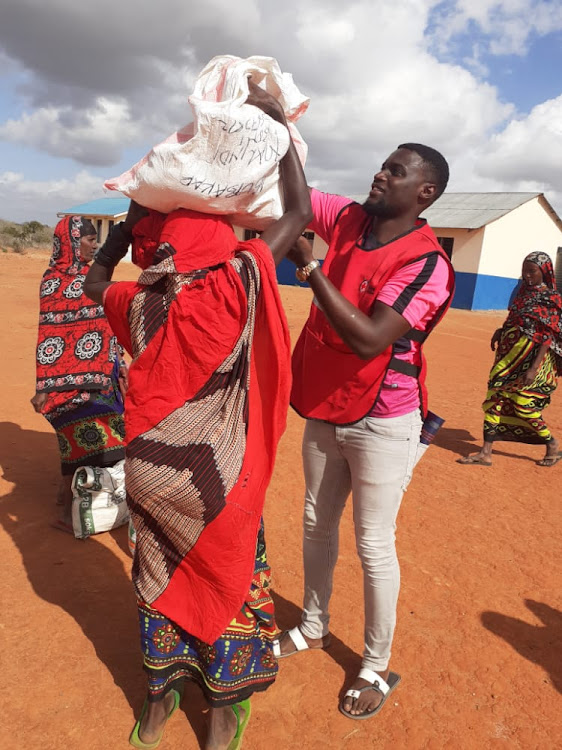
column 479, row 636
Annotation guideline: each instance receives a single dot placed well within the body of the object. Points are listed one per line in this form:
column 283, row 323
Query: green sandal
column 236, row 742
column 136, row 741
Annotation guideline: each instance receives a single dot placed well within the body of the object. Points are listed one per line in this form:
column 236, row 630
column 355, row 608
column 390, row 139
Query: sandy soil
column 479, row 636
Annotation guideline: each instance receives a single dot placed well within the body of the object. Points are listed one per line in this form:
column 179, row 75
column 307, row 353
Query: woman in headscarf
column 78, row 363
column 207, row 401
column 527, row 363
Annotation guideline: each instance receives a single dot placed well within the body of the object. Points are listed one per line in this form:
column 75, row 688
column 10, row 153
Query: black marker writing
column 218, row 190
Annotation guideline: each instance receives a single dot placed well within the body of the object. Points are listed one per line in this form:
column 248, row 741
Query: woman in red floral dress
column 78, row 363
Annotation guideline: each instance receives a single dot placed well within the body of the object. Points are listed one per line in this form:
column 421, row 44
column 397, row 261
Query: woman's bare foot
column 552, row 448
column 64, row 497
column 482, row 458
column 222, row 727
column 552, row 455
column 478, row 459
column 368, row 700
column 155, row 718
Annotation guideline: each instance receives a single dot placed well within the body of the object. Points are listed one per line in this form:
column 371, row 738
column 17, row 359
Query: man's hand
column 282, row 234
column 38, row 402
column 264, row 101
column 301, row 253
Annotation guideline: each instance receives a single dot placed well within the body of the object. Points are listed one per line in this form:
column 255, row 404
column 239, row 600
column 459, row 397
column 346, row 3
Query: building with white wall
column 103, row 213
column 486, row 235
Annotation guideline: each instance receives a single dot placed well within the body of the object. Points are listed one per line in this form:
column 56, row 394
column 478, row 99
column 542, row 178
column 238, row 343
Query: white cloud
column 95, row 135
column 529, row 148
column 316, row 28
column 25, row 200
column 508, row 25
column 368, row 67
column 524, row 156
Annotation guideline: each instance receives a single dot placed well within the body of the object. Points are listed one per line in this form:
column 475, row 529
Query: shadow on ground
column 457, row 441
column 540, row 644
column 288, row 615
column 462, row 442
column 84, row 578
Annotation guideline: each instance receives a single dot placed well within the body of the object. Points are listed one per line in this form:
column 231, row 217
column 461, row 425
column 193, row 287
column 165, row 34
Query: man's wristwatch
column 303, row 273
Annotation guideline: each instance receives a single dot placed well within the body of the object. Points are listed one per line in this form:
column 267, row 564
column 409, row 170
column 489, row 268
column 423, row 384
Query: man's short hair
column 435, row 162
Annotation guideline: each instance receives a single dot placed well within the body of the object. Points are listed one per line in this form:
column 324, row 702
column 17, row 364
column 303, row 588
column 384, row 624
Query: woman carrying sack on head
column 206, row 406
column 78, row 363
column 527, row 363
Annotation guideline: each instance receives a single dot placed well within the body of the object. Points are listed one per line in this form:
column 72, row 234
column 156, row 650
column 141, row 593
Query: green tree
column 32, row 227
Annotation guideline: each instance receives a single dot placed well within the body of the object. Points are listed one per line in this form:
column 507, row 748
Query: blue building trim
column 464, row 290
column 473, row 291
column 493, row 292
column 101, row 207
column 483, row 292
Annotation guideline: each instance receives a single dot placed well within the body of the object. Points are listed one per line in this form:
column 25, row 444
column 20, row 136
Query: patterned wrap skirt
column 91, row 430
column 239, row 663
column 512, row 410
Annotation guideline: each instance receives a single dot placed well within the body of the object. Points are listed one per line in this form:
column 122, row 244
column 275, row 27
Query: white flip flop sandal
column 381, row 686
column 299, row 642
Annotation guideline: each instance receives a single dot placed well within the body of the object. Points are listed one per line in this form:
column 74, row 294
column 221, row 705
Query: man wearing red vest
column 359, row 380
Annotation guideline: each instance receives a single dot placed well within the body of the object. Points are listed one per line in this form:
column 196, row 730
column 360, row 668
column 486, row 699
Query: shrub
column 21, row 236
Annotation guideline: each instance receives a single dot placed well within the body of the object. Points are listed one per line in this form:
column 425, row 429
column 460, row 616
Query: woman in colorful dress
column 527, row 363
column 207, row 402
column 78, row 363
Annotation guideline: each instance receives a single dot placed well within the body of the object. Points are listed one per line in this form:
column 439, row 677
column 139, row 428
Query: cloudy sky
column 87, row 89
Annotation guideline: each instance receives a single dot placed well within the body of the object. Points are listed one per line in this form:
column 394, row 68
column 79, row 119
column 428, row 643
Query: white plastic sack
column 226, row 160
column 98, row 502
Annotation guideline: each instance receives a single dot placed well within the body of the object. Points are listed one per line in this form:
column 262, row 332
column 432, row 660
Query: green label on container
column 86, row 515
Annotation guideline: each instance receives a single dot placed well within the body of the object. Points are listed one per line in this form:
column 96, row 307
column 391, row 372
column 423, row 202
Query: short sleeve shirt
column 416, row 292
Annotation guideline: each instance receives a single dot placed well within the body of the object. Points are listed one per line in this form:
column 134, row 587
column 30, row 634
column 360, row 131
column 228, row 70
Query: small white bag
column 226, row 161
column 98, row 499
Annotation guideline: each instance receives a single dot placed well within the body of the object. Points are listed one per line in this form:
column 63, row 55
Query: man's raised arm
column 110, row 253
column 282, row 234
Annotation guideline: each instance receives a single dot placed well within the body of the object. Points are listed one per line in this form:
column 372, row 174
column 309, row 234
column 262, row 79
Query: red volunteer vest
column 330, row 382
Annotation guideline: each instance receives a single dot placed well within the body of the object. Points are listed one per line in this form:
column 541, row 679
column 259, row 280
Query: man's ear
column 427, row 192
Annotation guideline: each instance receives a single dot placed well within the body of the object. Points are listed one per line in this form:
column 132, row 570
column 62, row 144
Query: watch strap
column 304, row 272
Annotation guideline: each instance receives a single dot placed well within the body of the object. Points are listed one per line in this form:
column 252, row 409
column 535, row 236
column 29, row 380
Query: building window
column 98, row 224
column 447, row 245
column 111, row 225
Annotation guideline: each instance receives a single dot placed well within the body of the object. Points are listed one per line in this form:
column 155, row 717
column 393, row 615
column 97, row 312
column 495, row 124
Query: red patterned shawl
column 146, row 238
column 207, row 403
column 76, row 349
column 537, row 311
